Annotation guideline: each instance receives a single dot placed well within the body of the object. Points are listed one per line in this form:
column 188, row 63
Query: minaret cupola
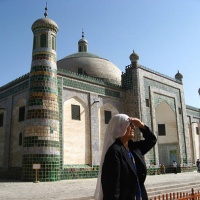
column 179, row 76
column 134, row 58
column 82, row 44
column 44, row 30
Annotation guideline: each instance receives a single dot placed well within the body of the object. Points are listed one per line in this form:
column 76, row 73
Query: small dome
column 134, row 57
column 82, row 41
column 179, row 76
column 45, row 23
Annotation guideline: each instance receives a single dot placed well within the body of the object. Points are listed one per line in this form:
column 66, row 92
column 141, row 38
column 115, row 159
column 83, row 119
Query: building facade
column 56, row 115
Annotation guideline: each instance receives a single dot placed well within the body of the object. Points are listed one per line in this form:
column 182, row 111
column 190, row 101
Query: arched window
column 43, row 40
column 53, row 42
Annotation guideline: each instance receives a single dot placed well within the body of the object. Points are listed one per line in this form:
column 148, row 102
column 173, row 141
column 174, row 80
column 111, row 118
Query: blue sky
column 164, row 33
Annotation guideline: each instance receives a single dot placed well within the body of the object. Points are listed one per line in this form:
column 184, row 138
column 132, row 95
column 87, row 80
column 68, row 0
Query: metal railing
column 179, row 196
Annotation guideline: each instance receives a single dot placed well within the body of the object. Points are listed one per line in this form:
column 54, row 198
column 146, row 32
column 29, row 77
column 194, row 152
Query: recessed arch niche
column 76, row 134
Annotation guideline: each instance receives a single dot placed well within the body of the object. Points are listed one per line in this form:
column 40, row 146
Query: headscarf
column 117, row 127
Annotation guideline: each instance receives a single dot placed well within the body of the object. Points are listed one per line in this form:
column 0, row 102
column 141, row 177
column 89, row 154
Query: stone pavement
column 77, row 189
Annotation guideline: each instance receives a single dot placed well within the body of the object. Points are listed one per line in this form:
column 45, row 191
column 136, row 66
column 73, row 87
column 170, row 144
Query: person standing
column 175, row 167
column 162, row 168
column 122, row 170
column 198, row 165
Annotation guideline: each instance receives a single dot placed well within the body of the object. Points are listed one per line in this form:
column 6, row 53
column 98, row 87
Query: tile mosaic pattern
column 91, row 88
column 41, row 136
column 79, row 172
column 60, row 90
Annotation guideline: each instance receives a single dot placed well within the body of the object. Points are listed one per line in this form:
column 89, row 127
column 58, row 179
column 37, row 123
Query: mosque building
column 53, row 118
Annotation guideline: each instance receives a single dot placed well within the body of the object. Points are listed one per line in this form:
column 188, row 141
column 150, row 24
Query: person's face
column 130, row 132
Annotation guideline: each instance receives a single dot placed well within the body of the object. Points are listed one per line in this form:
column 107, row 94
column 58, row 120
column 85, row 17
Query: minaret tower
column 41, row 134
column 135, row 85
column 130, row 82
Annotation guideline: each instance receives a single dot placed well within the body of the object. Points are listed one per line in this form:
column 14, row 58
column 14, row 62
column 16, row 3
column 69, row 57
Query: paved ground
column 77, row 189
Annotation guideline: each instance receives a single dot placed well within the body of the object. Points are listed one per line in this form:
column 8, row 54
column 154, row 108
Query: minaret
column 130, row 82
column 135, row 85
column 41, row 134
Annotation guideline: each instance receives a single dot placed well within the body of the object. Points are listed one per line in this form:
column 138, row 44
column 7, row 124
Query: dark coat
column 118, row 179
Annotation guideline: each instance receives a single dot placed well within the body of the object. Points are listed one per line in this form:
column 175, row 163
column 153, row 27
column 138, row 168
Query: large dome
column 91, row 65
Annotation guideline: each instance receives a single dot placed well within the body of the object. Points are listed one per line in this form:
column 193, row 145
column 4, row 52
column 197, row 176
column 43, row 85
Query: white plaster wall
column 16, row 150
column 76, row 134
column 197, row 142
column 103, row 126
column 165, row 115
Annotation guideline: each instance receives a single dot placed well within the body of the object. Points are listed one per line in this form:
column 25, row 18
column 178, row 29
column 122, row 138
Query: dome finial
column 45, row 13
column 82, row 34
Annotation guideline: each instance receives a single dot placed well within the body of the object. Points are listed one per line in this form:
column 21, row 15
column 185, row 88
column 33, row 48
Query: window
column 179, row 111
column 80, row 49
column 197, row 130
column 147, row 102
column 161, row 130
column 34, row 42
column 21, row 114
column 107, row 115
column 53, row 42
column 1, row 119
column 20, row 139
column 80, row 70
column 43, row 40
column 75, row 110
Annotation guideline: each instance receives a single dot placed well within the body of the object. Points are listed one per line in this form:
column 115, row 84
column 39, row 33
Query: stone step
column 173, row 188
column 165, row 189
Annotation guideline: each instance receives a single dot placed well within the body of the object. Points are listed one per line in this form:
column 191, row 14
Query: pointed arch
column 165, row 115
column 167, row 143
column 76, row 133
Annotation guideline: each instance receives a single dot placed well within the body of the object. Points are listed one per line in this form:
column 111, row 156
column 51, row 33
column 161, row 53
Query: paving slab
column 79, row 189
